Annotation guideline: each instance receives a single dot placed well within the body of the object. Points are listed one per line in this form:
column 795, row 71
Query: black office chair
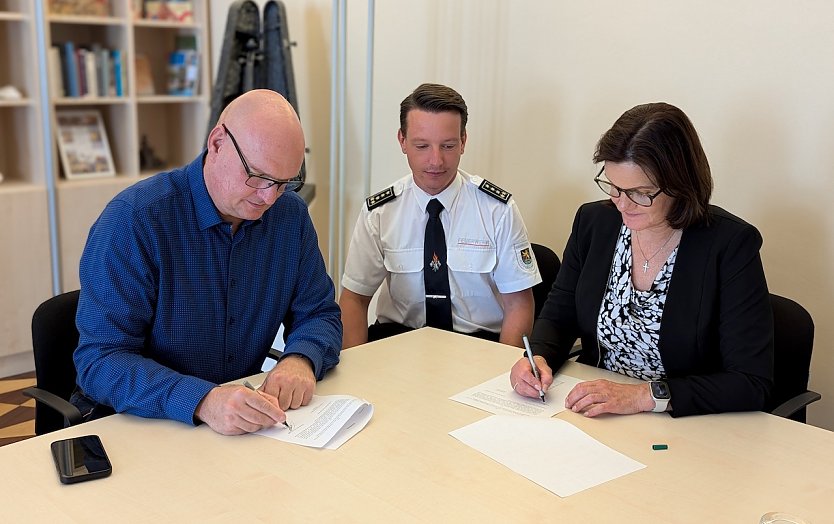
column 793, row 342
column 54, row 339
column 549, row 265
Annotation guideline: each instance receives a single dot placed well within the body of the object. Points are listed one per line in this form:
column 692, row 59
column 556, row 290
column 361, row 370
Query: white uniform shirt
column 488, row 253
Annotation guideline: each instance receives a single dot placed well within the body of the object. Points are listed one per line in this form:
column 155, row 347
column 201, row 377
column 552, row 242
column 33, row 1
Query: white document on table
column 553, row 453
column 326, row 422
column 497, row 396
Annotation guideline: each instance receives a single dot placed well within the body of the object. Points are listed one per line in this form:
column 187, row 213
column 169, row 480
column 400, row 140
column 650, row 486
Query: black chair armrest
column 274, row 354
column 791, row 406
column 70, row 413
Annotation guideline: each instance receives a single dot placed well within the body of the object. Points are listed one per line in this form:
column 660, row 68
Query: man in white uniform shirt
column 477, row 278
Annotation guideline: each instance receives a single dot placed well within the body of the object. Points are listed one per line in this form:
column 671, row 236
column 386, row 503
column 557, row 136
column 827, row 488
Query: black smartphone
column 80, row 458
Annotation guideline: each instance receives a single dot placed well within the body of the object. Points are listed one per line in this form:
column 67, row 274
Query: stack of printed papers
column 326, row 422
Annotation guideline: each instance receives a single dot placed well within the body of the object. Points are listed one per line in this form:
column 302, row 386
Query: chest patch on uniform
column 384, row 196
column 494, row 191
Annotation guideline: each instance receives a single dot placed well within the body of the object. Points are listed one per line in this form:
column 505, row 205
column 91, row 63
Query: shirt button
column 231, row 321
column 230, row 358
column 233, row 282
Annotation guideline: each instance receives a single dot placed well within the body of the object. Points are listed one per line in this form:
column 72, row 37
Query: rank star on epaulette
column 494, row 191
column 386, row 195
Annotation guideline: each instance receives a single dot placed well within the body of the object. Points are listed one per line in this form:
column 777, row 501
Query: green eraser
column 657, row 447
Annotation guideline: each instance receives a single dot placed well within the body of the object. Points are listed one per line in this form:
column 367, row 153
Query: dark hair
column 661, row 140
column 434, row 98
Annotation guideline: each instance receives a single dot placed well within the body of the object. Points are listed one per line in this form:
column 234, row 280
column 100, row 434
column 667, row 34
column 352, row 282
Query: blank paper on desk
column 551, row 452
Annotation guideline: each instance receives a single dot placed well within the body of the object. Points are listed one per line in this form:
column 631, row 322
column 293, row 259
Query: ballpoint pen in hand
column 250, row 386
column 532, row 363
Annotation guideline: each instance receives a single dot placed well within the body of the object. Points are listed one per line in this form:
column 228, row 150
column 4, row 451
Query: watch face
column 660, row 390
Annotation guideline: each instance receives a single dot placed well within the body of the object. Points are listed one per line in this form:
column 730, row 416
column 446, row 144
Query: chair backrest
column 54, row 339
column 549, row 265
column 793, row 343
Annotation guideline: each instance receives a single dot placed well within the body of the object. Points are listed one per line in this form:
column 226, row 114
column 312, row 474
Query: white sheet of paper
column 326, row 422
column 553, row 453
column 497, row 396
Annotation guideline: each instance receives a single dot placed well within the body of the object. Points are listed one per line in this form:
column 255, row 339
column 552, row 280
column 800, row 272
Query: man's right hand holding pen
column 234, row 409
column 523, row 379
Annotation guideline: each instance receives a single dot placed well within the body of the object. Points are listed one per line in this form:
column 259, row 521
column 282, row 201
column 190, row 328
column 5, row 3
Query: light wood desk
column 404, row 467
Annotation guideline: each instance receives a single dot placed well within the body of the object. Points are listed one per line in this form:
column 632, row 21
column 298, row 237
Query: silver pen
column 532, row 364
column 250, row 386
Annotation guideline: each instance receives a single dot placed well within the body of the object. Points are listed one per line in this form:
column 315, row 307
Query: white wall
column 545, row 78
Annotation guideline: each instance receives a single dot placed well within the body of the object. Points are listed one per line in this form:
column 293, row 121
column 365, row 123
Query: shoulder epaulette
column 494, row 191
column 384, row 196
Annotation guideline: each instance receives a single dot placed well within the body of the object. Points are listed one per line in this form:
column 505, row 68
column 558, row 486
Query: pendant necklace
column 647, row 259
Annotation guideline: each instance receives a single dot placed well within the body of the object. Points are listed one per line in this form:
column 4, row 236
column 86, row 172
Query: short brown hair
column 661, row 139
column 434, row 98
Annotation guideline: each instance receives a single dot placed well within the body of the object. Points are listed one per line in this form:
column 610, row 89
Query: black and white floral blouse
column 628, row 327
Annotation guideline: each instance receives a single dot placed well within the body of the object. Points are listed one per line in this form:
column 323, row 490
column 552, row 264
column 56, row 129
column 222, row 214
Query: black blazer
column 716, row 333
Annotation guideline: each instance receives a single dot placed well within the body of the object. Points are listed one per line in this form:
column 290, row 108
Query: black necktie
column 435, row 272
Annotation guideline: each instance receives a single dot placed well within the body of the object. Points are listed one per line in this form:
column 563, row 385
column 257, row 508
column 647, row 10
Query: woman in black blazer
column 658, row 284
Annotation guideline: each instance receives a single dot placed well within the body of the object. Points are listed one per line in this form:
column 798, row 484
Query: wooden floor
column 17, row 412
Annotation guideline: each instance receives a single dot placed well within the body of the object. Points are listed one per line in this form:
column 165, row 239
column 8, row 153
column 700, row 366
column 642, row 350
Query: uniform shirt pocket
column 472, row 269
column 405, row 268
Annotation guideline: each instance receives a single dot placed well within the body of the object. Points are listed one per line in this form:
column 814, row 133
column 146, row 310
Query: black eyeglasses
column 635, row 195
column 259, row 180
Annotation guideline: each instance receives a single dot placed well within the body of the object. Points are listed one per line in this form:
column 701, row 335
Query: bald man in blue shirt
column 187, row 276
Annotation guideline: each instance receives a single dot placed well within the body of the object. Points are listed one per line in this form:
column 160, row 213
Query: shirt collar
column 447, row 196
column 207, row 214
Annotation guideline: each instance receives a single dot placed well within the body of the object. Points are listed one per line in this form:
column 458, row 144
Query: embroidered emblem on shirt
column 435, row 263
column 384, row 196
column 494, row 191
column 526, row 257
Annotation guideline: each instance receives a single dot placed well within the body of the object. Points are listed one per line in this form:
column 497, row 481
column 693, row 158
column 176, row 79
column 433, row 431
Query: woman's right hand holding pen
column 525, row 383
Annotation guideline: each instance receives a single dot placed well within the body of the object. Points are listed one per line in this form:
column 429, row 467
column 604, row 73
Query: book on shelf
column 184, row 67
column 83, row 73
column 87, row 71
column 80, row 7
column 56, row 74
column 118, row 80
column 102, row 67
column 144, row 78
column 181, row 11
column 69, row 66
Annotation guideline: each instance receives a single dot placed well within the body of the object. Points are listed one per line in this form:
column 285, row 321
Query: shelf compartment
column 169, row 131
column 20, row 152
column 14, row 71
column 109, row 36
column 157, row 43
column 121, row 143
column 15, row 9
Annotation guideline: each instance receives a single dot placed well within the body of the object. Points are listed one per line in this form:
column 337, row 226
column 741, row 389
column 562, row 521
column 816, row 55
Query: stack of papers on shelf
column 326, row 422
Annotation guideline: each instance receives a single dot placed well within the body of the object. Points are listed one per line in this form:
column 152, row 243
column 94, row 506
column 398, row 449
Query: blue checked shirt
column 172, row 305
